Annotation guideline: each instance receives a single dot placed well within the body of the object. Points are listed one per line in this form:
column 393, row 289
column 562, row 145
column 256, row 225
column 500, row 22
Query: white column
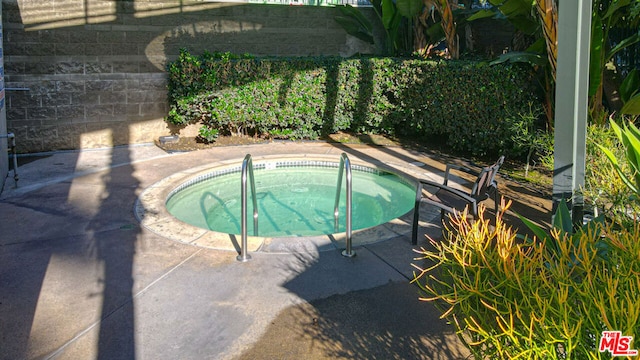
column 572, row 85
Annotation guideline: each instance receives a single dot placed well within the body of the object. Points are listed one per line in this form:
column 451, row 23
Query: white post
column 572, row 86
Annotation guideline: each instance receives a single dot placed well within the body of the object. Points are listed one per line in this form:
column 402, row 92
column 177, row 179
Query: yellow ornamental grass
column 511, row 297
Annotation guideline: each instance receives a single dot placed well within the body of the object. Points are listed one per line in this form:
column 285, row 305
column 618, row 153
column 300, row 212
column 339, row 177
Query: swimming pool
column 150, row 207
column 295, row 198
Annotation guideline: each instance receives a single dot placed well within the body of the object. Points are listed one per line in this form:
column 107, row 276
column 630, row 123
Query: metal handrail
column 344, row 164
column 247, row 173
column 11, row 139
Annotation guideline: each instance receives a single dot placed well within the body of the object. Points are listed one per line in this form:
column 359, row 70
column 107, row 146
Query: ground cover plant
column 542, row 298
column 468, row 105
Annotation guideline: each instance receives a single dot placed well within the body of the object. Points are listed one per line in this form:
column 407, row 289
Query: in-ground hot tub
column 296, row 198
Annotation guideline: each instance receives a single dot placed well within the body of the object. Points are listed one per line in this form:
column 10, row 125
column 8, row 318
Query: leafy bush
column 465, row 103
column 534, row 298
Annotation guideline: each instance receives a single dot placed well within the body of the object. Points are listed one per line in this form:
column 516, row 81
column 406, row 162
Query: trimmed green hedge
column 467, row 104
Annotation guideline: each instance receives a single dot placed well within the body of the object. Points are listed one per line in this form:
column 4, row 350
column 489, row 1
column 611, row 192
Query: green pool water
column 293, row 201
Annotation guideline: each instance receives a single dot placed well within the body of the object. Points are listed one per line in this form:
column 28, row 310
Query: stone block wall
column 91, row 73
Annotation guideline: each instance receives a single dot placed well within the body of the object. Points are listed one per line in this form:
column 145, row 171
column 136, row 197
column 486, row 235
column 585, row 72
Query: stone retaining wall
column 94, row 69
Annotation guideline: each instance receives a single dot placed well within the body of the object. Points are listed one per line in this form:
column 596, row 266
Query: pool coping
column 151, row 212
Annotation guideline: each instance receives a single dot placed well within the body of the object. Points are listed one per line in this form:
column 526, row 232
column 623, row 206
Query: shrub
column 534, row 298
column 529, row 139
column 465, row 103
column 207, row 134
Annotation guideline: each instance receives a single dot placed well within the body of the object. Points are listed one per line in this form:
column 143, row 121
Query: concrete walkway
column 80, row 278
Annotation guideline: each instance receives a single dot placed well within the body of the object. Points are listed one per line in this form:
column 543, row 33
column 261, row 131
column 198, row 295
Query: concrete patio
column 80, row 278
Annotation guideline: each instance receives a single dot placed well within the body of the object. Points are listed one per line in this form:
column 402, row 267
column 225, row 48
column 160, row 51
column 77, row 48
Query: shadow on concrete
column 382, row 320
column 67, row 261
column 116, row 252
column 361, row 325
column 82, row 240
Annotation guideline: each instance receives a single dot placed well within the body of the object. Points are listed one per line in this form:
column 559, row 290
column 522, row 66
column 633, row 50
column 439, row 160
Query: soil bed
column 184, row 144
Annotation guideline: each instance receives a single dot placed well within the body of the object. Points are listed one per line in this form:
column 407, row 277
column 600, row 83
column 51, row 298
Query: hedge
column 467, row 104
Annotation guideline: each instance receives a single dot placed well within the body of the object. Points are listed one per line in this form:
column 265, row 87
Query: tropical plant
column 548, row 15
column 520, row 13
column 391, row 22
column 630, row 93
column 539, row 20
column 448, row 23
column 391, row 14
column 355, row 23
column 606, row 15
column 565, row 229
column 629, row 136
column 405, row 24
column 528, row 137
